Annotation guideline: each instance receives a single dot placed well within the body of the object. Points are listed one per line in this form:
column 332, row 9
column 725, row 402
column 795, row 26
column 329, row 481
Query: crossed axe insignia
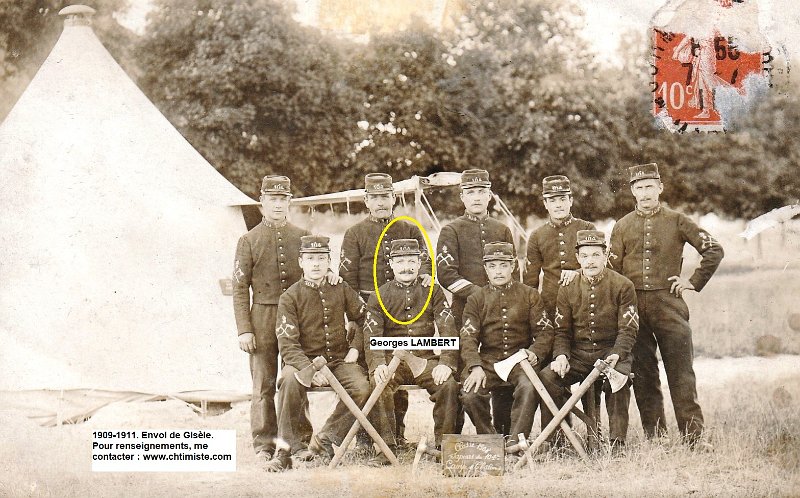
column 444, row 257
column 368, row 323
column 446, row 313
column 632, row 315
column 344, row 262
column 468, row 328
column 708, row 240
column 284, row 328
column 557, row 318
column 545, row 322
column 237, row 272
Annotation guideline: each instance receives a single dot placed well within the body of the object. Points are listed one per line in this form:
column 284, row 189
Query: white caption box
column 413, row 343
column 164, row 450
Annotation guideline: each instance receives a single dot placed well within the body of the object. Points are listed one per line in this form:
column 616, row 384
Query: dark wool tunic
column 311, row 322
column 266, row 260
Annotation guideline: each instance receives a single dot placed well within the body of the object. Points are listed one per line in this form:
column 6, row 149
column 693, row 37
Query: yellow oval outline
column 431, row 250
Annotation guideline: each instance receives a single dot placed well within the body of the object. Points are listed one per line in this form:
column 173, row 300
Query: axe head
column 415, row 363
column 306, row 375
column 615, row 379
column 504, row 367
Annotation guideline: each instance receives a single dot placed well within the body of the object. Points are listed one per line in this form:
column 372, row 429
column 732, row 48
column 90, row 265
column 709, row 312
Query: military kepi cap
column 378, row 183
column 644, row 172
column 555, row 185
column 472, row 178
column 315, row 244
column 404, row 247
column 590, row 238
column 276, row 184
column 498, row 251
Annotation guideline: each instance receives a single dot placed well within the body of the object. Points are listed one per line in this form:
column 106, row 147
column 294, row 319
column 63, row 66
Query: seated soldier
column 310, row 324
column 404, row 297
column 595, row 318
column 500, row 319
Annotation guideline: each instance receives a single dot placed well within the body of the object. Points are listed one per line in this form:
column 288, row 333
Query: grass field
column 753, row 419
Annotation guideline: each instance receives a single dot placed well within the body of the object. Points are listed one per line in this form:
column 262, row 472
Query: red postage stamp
column 701, row 51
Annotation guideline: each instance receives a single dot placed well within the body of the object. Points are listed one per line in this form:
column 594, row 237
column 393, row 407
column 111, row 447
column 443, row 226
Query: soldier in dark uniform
column 501, row 318
column 550, row 251
column 460, row 266
column 595, row 318
column 358, row 251
column 550, row 245
column 404, row 297
column 647, row 247
column 266, row 261
column 310, row 324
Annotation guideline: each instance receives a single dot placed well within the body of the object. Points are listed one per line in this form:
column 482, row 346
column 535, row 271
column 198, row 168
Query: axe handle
column 559, row 417
column 551, row 405
column 373, row 398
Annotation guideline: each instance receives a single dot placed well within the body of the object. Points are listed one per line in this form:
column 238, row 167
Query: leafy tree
column 251, row 89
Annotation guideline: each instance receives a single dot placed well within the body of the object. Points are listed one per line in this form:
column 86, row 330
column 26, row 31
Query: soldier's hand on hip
column 333, row 278
column 425, row 279
column 532, row 358
column 476, row 379
column 247, row 343
column 567, row 276
column 560, row 365
column 679, row 285
column 381, row 374
column 440, row 374
column 319, row 380
column 352, row 356
column 612, row 360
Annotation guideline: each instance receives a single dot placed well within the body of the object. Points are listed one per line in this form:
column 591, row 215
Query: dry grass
column 754, row 424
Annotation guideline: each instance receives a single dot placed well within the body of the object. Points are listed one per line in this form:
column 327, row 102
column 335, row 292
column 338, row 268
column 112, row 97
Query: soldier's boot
column 322, row 448
column 280, row 462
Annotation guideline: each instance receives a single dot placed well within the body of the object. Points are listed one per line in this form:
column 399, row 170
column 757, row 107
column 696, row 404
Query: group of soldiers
column 616, row 302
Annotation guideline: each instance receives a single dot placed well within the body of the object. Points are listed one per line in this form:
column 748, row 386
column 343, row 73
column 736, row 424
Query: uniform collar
column 596, row 279
column 558, row 224
column 274, row 224
column 382, row 221
column 477, row 219
column 309, row 283
column 502, row 287
column 401, row 285
column 652, row 213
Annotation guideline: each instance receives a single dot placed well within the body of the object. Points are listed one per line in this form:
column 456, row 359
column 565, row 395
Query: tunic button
column 592, row 331
column 648, row 233
column 280, row 247
column 594, row 343
column 592, row 323
column 563, row 253
column 646, row 267
column 563, row 262
column 504, row 316
column 647, row 285
column 562, row 242
column 560, row 234
column 591, row 305
column 281, row 263
column 505, row 325
column 591, row 314
column 591, row 295
column 646, row 276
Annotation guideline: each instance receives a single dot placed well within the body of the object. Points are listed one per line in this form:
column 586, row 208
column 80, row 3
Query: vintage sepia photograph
column 391, row 248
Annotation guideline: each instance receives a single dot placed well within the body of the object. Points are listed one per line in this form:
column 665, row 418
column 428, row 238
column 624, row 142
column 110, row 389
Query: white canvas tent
column 114, row 236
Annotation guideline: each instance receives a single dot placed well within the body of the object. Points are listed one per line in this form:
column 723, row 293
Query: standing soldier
column 550, row 247
column 647, row 247
column 595, row 319
column 310, row 324
column 404, row 298
column 358, row 251
column 500, row 319
column 460, row 267
column 266, row 261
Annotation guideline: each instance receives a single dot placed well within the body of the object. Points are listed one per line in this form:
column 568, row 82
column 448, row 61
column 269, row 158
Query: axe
column 422, row 447
column 415, row 363
column 599, row 367
column 354, row 409
column 306, row 375
column 503, row 369
column 373, row 398
column 616, row 379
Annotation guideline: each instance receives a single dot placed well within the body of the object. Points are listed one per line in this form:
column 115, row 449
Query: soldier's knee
column 361, row 391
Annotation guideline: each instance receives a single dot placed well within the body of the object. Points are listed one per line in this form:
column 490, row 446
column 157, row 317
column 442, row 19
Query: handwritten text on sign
column 473, row 455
